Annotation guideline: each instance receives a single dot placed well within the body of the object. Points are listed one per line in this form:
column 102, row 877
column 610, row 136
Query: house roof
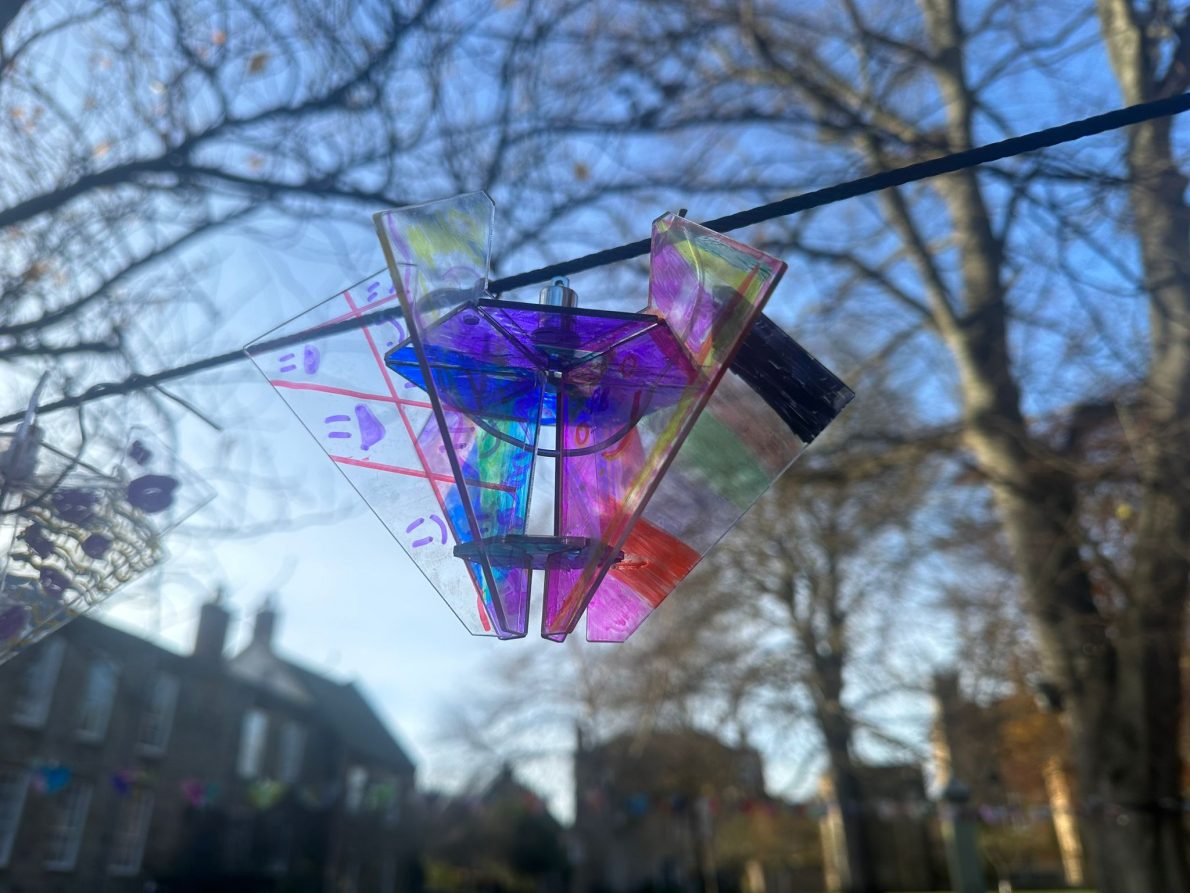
column 345, row 709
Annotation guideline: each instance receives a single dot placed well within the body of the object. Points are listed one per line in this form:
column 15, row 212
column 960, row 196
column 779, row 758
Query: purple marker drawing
column 371, row 431
column 311, row 359
column 285, row 359
column 96, row 545
column 426, row 540
column 152, row 493
column 400, row 334
column 139, row 453
column 373, row 292
column 54, row 583
column 338, row 418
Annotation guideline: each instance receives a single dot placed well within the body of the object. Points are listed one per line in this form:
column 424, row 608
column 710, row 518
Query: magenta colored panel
column 615, row 612
column 709, row 289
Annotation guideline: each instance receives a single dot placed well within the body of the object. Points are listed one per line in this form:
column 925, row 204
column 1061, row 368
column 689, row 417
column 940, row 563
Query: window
column 159, row 715
column 14, row 783
column 98, row 693
column 66, row 827
column 36, row 685
column 357, row 782
column 392, row 806
column 132, row 830
column 253, row 733
column 293, row 744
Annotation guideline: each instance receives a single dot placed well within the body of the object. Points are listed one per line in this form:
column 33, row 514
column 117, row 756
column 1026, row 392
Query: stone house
column 680, row 810
column 125, row 766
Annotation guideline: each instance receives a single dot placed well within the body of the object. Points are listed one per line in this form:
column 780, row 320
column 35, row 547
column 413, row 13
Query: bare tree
column 968, row 270
column 141, row 143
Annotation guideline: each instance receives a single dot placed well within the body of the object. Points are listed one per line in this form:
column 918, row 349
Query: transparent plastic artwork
column 586, row 457
column 74, row 534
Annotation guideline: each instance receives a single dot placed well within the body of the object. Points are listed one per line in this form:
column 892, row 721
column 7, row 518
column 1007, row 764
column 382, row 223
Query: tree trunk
column 1118, row 672
column 1144, row 846
column 1134, row 747
column 857, row 870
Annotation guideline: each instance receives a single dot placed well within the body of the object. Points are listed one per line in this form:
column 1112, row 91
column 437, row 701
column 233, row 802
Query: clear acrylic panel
column 379, row 429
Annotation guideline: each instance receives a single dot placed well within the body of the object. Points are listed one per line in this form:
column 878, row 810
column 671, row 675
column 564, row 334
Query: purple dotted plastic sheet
column 78, row 537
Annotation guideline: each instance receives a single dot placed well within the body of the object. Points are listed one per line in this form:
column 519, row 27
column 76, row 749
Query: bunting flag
column 200, row 794
column 265, row 793
column 49, row 778
column 125, row 780
column 319, row 796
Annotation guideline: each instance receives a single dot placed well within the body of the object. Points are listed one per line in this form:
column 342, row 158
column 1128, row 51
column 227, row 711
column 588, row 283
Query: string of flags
column 51, row 777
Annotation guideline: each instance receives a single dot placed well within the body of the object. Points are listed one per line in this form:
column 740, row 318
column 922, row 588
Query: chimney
column 265, row 624
column 213, row 621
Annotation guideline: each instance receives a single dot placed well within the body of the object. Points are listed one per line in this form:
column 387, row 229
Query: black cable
column 910, row 173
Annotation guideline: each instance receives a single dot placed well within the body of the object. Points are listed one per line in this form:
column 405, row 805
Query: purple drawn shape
column 371, row 431
column 426, row 540
column 96, row 545
column 54, row 583
column 12, row 621
column 287, row 368
column 423, row 541
column 400, row 336
column 441, row 527
column 311, row 359
column 152, row 493
column 36, row 540
column 53, row 778
column 373, row 292
column 338, row 435
column 139, row 453
column 75, row 506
